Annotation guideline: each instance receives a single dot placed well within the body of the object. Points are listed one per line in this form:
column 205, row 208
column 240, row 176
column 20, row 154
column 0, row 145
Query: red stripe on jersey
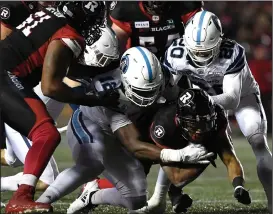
column 185, row 18
column 36, row 59
column 157, row 144
column 123, row 25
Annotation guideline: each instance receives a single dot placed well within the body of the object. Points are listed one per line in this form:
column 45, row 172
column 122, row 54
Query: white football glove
column 191, row 154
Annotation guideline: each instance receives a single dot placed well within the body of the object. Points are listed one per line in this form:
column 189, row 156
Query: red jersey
column 24, row 50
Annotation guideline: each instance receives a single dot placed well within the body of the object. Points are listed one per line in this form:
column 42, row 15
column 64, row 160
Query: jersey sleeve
column 71, row 38
column 13, row 14
column 175, row 57
column 117, row 120
column 119, row 15
column 238, row 59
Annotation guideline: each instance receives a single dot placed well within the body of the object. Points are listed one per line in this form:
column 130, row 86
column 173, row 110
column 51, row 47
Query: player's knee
column 258, row 143
column 48, row 132
column 12, row 161
column 135, row 203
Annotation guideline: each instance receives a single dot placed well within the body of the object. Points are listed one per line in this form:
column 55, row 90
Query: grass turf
column 212, row 192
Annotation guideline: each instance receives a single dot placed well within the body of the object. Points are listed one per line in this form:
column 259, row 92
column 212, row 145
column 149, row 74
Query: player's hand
column 242, row 195
column 191, row 154
column 109, row 98
column 195, row 154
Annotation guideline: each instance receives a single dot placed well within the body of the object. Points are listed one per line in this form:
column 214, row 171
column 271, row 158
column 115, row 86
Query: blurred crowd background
column 250, row 24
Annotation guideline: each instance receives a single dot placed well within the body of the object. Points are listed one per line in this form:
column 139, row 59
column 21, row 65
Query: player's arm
column 130, row 138
column 232, row 82
column 235, row 170
column 122, row 36
column 78, row 70
column 232, row 85
column 120, row 25
column 56, row 64
column 4, row 31
column 229, row 158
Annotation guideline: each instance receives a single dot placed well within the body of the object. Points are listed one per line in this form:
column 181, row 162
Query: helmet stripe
column 149, row 67
column 199, row 30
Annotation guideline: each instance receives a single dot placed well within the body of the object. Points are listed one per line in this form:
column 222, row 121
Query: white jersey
column 111, row 119
column 231, row 60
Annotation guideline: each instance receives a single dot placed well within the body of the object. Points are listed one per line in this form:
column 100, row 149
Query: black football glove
column 242, row 195
column 108, row 98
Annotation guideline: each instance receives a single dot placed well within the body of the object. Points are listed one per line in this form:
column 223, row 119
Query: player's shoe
column 83, row 202
column 180, row 203
column 22, row 202
column 151, row 208
column 2, row 204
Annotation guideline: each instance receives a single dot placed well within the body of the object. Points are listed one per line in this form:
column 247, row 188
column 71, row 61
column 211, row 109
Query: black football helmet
column 196, row 115
column 87, row 17
column 157, row 7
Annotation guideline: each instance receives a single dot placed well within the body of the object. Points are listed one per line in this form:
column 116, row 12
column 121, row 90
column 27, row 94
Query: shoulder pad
column 237, row 60
column 13, row 13
column 121, row 10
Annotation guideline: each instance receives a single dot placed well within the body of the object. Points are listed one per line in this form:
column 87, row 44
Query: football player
column 218, row 65
column 45, row 39
column 97, row 136
column 151, row 24
column 14, row 13
column 195, row 118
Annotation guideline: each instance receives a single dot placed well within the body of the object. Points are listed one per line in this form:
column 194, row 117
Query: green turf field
column 212, row 192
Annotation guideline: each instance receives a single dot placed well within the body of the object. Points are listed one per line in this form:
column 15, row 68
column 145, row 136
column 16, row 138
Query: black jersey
column 153, row 32
column 23, row 51
column 143, row 117
column 165, row 133
column 13, row 13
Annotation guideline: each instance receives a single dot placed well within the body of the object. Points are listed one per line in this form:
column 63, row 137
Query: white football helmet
column 202, row 38
column 103, row 51
column 141, row 76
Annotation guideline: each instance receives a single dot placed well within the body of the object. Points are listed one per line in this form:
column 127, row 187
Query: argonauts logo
column 124, row 63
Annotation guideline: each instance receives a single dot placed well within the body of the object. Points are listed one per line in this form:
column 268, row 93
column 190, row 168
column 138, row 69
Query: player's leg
column 251, row 118
column 21, row 145
column 157, row 203
column 26, row 113
column 86, row 154
column 127, row 174
column 53, row 107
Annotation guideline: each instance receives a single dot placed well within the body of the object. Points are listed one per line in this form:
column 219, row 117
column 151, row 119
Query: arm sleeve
column 117, row 120
column 232, row 85
column 71, row 38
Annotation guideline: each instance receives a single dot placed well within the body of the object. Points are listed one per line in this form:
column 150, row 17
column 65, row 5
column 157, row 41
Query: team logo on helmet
column 113, row 5
column 124, row 63
column 186, row 98
column 4, row 13
column 159, row 131
column 90, row 7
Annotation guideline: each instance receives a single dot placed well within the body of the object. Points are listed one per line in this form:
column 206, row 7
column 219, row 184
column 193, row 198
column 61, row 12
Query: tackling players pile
column 126, row 112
